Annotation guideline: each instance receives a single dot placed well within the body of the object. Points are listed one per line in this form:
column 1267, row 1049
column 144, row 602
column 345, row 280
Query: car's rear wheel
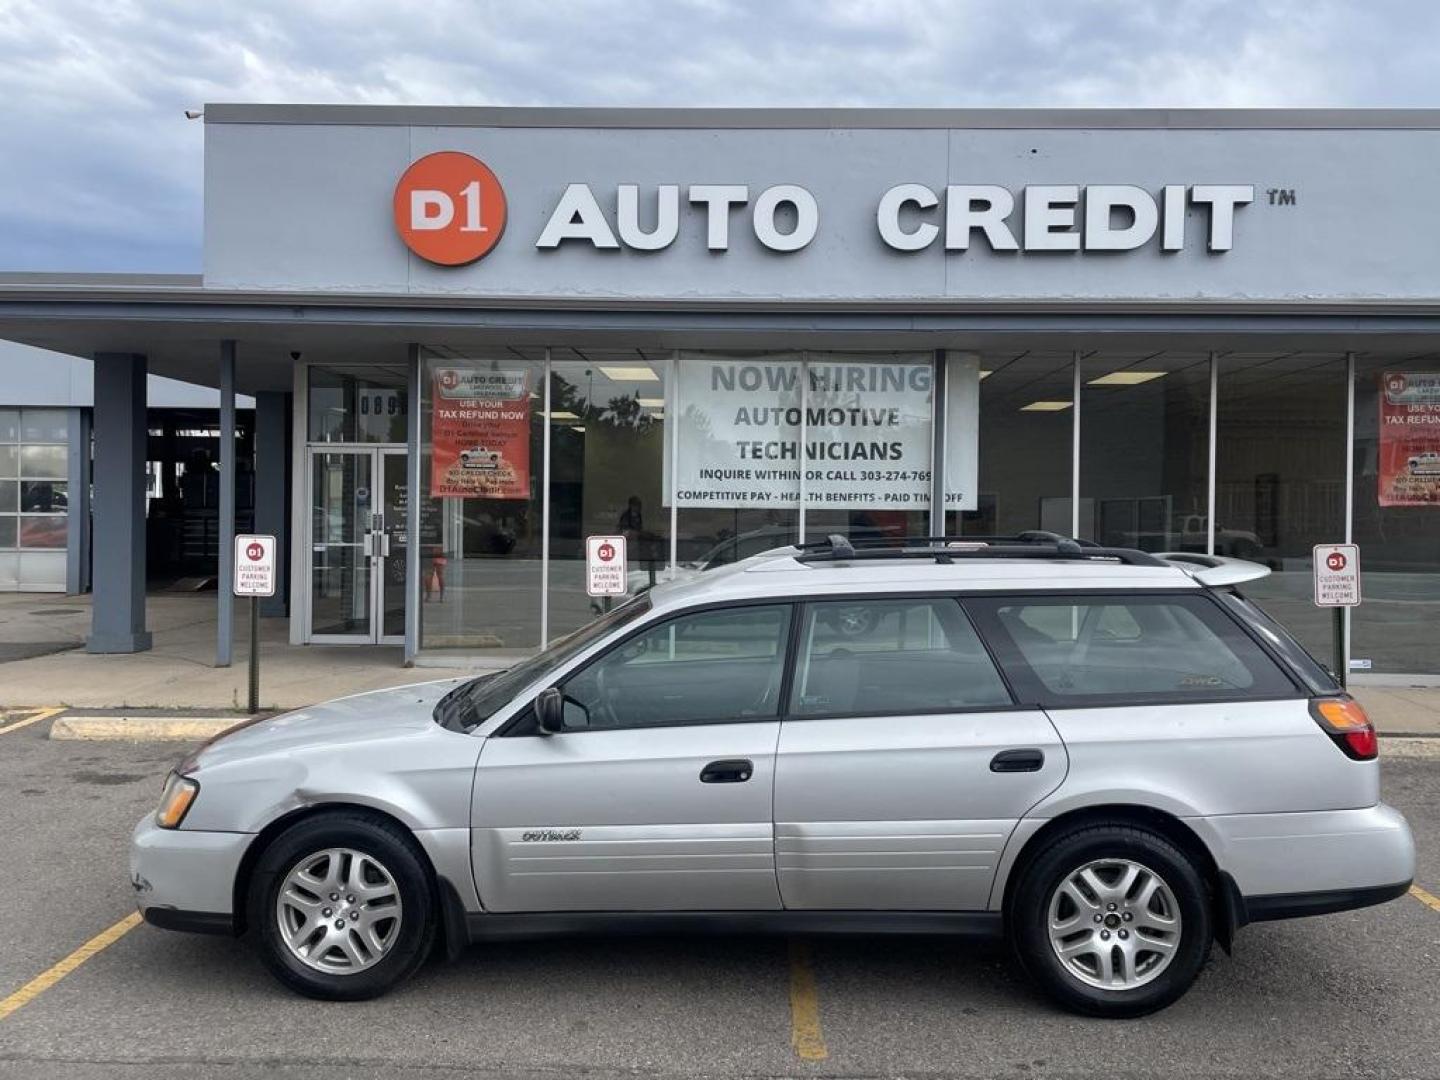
column 342, row 906
column 1111, row 920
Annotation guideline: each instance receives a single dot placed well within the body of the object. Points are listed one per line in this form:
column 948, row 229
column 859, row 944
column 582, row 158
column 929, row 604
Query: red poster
column 1409, row 439
column 480, row 427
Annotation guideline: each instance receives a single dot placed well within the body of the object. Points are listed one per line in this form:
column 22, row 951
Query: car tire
column 1155, row 940
column 384, row 895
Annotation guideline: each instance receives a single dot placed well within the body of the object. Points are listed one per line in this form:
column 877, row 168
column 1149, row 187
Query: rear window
column 1304, row 666
column 1114, row 649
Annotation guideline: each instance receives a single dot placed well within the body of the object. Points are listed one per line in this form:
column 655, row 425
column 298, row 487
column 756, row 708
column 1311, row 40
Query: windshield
column 476, row 701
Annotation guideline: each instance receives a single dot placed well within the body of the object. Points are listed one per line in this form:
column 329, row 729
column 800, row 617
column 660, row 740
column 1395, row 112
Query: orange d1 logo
column 449, row 208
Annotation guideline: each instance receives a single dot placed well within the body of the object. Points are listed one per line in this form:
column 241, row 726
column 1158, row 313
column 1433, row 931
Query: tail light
column 1345, row 722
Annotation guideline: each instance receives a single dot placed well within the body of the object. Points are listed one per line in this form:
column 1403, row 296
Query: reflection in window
column 877, row 657
column 720, row 665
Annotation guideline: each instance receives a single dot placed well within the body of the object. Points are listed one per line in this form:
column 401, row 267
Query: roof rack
column 946, row 549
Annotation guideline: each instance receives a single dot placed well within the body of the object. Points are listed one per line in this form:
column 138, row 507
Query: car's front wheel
column 342, row 906
column 1111, row 920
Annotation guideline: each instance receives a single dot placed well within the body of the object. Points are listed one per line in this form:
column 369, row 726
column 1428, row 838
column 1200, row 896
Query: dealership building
column 475, row 336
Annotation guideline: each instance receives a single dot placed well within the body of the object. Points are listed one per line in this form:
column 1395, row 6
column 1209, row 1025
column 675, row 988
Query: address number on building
column 254, row 565
column 1337, row 575
column 605, row 565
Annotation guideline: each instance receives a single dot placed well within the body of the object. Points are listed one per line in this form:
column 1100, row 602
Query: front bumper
column 1311, row 863
column 184, row 879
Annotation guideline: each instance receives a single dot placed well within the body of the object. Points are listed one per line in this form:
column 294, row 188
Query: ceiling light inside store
column 1045, row 406
column 629, row 374
column 563, row 415
column 986, row 374
column 577, row 427
column 651, row 402
column 1127, row 378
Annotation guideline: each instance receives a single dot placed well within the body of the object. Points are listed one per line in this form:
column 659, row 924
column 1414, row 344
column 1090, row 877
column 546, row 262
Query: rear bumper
column 184, row 879
column 1297, row 905
column 1338, row 859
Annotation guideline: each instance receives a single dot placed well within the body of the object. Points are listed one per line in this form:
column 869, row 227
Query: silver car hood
column 342, row 722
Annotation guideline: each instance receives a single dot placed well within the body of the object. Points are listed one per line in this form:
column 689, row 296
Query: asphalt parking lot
column 1344, row 995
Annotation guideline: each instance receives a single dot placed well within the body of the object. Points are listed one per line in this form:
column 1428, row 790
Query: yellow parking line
column 805, row 1033
column 1428, row 899
column 48, row 978
column 43, row 714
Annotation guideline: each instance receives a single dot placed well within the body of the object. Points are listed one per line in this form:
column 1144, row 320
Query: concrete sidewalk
column 179, row 672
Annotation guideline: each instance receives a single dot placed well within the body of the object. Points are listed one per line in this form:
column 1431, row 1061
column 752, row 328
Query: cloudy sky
column 102, row 172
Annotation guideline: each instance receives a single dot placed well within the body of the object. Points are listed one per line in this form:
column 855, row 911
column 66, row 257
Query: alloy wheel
column 339, row 911
column 1114, row 924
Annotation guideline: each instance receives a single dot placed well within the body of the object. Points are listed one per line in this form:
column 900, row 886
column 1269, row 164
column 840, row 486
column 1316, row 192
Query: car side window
column 1150, row 647
column 876, row 657
column 725, row 664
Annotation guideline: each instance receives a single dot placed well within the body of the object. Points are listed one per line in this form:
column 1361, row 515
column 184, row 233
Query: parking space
column 1351, row 994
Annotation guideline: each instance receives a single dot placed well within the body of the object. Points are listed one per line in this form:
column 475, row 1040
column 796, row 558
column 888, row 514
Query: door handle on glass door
column 1028, row 760
column 729, row 771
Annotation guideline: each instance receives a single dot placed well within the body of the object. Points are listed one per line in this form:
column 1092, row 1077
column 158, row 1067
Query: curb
column 140, row 728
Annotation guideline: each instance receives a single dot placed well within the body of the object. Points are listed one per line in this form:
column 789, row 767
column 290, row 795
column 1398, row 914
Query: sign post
column 605, row 567
column 254, row 577
column 1337, row 586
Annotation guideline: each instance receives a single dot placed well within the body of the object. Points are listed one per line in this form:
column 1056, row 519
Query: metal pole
column 1338, row 624
column 414, row 507
column 1210, row 460
column 939, row 391
column 1349, row 499
column 1075, row 445
column 672, row 424
column 225, row 608
column 254, row 704
column 545, row 511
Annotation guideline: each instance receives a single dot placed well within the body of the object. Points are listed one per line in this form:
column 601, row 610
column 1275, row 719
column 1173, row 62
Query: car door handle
column 1027, row 760
column 729, row 771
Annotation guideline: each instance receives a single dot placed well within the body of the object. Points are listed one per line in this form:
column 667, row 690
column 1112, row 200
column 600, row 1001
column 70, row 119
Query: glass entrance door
column 357, row 545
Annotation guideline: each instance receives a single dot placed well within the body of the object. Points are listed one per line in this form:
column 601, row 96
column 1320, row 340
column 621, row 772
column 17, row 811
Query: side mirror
column 550, row 711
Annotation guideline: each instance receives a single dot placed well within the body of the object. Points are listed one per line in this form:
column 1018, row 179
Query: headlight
column 175, row 800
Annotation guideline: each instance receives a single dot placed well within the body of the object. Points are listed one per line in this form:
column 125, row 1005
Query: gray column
column 225, row 599
column 77, row 515
column 272, row 464
column 118, row 613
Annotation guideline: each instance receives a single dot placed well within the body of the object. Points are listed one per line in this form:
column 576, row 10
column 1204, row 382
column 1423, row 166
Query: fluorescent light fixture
column 651, row 402
column 1127, row 378
column 577, row 427
column 1045, row 406
column 564, row 415
column 985, row 374
column 628, row 374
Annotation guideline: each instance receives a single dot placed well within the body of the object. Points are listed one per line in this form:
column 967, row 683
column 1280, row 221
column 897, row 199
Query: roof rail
column 946, row 549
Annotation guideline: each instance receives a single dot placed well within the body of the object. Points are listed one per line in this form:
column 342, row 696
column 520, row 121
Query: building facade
column 477, row 336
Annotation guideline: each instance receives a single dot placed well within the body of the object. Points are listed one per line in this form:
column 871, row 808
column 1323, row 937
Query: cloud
column 102, row 172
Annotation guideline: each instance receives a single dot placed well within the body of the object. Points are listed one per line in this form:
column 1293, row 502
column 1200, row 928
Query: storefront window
column 1025, row 435
column 869, row 444
column 607, row 463
column 357, row 405
column 34, row 459
column 1280, row 477
column 482, row 436
column 1144, row 446
column 1396, row 628
column 737, row 462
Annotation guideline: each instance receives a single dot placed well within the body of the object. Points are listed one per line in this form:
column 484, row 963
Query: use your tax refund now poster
column 1409, row 465
column 480, row 432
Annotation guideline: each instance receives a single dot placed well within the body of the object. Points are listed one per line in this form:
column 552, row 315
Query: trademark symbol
column 1280, row 196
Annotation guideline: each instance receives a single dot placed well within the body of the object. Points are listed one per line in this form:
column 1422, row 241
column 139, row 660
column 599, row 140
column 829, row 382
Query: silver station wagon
column 1111, row 758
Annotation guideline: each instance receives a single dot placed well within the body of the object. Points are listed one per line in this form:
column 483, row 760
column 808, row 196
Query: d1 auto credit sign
column 605, row 565
column 480, row 427
column 254, row 565
column 1337, row 575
